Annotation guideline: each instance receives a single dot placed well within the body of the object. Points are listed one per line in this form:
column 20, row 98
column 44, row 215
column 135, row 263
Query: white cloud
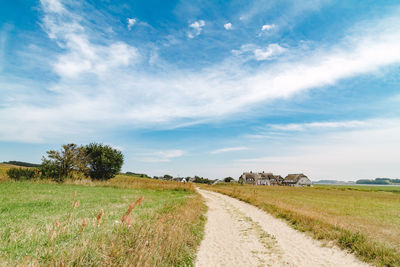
column 81, row 54
column 160, row 156
column 268, row 52
column 228, row 26
column 131, row 23
column 268, row 27
column 101, row 86
column 317, row 125
column 229, row 149
column 52, row 5
column 197, row 27
column 254, row 52
column 347, row 150
column 288, row 15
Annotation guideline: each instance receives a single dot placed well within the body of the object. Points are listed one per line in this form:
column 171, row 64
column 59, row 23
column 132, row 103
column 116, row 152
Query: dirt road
column 239, row 234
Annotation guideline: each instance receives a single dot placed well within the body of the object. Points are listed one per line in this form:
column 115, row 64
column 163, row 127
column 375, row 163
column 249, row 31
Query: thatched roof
column 267, row 175
column 294, row 178
column 248, row 175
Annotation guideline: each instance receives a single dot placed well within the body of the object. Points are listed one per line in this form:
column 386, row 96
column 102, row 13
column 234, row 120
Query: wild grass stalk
column 147, row 233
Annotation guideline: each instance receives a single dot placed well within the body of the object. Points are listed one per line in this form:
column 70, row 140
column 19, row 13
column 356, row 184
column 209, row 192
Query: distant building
column 297, row 180
column 267, row 178
column 276, row 180
column 263, row 178
column 179, row 179
column 250, row 178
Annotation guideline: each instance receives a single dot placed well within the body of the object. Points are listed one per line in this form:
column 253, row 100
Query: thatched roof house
column 276, row 180
column 250, row 178
column 297, row 180
column 262, row 178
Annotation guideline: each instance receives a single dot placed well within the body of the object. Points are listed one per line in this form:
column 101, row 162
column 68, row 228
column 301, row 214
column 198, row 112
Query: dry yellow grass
column 129, row 181
column 3, row 171
column 366, row 222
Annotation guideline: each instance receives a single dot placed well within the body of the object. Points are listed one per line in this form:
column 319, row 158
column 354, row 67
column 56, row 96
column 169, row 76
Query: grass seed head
column 129, row 221
column 84, row 223
column 99, row 216
column 131, row 207
column 138, row 201
column 51, row 235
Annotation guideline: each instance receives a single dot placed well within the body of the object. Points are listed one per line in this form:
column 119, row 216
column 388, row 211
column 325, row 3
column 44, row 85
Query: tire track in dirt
column 239, row 234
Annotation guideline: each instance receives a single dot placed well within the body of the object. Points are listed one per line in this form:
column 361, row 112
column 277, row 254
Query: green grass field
column 363, row 219
column 368, row 188
column 38, row 225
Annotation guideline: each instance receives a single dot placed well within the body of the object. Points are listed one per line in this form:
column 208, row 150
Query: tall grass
column 365, row 222
column 167, row 238
column 101, row 226
column 130, row 181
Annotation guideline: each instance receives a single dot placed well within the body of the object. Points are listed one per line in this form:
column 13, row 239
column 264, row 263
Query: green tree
column 65, row 160
column 168, row 177
column 104, row 162
column 228, row 179
column 50, row 169
column 64, row 163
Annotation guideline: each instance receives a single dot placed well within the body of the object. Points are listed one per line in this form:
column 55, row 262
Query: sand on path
column 239, row 234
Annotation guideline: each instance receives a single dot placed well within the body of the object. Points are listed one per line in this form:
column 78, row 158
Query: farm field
column 3, row 171
column 45, row 223
column 364, row 220
column 385, row 188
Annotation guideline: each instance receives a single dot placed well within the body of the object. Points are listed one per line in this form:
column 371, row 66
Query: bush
column 19, row 174
column 50, row 169
column 228, row 179
column 201, row 180
column 104, row 162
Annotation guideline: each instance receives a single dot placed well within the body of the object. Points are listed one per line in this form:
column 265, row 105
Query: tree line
column 95, row 161
column 21, row 163
column 381, row 181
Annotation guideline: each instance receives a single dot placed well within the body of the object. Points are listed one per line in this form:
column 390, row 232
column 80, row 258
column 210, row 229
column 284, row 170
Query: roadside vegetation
column 124, row 221
column 3, row 171
column 94, row 161
column 363, row 220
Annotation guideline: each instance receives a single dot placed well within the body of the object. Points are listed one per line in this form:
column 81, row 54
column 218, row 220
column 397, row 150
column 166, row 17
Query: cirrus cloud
column 160, row 156
column 103, row 83
column 229, row 149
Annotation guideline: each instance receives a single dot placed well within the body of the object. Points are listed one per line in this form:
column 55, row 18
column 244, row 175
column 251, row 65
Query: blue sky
column 209, row 88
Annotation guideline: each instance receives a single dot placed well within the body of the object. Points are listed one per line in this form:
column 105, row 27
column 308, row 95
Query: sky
column 208, row 88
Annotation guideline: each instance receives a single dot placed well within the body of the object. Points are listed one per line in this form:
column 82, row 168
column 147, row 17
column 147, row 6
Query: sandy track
column 239, row 234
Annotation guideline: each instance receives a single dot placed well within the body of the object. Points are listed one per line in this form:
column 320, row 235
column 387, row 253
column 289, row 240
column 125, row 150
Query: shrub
column 104, row 162
column 228, row 179
column 50, row 169
column 69, row 159
column 22, row 173
column 201, row 180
